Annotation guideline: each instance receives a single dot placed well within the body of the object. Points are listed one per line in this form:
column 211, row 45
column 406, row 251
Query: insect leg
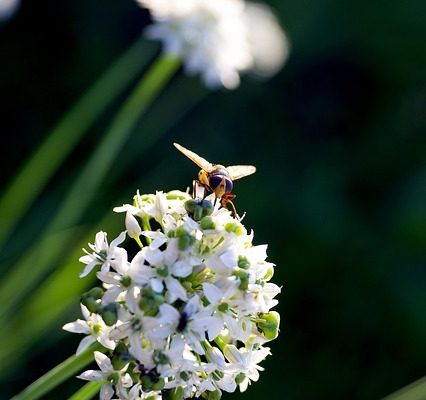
column 226, row 199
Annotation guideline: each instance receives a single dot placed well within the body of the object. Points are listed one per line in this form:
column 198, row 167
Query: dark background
column 338, row 137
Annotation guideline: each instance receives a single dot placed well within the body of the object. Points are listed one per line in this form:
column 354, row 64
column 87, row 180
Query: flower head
column 189, row 313
column 219, row 38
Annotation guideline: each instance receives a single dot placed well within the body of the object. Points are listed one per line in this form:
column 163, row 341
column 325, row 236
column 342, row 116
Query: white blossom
column 94, row 327
column 189, row 312
column 109, row 375
column 103, row 254
column 219, row 38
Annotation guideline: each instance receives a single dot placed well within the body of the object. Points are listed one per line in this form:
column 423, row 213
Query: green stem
column 90, row 179
column 146, row 226
column 138, row 241
column 58, row 374
column 88, row 182
column 220, row 343
column 414, row 391
column 36, row 172
column 87, row 391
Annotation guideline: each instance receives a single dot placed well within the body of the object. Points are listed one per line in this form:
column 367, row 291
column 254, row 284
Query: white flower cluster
column 187, row 313
column 219, row 38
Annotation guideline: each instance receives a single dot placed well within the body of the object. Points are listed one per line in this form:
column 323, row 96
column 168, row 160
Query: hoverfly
column 216, row 178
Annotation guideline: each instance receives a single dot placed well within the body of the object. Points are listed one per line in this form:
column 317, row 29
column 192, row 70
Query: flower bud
column 216, row 395
column 269, row 324
column 235, row 228
column 207, row 223
column 121, row 356
column 197, row 209
column 269, row 273
column 132, row 226
column 240, row 378
column 243, row 262
column 243, row 277
column 109, row 314
column 91, row 299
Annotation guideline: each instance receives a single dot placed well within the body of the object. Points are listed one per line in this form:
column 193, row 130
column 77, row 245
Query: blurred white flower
column 8, row 8
column 219, row 38
column 189, row 313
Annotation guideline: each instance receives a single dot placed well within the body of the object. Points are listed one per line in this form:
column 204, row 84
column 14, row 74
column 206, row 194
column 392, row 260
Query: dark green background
column 340, row 194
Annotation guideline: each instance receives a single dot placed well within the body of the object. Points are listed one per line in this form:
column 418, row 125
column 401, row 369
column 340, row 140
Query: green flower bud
column 178, row 393
column 207, row 207
column 146, row 382
column 207, row 223
column 235, row 228
column 96, row 292
column 243, row 262
column 121, row 356
column 244, row 278
column 91, row 304
column 109, row 314
column 269, row 325
column 150, row 302
column 239, row 378
column 197, row 209
column 150, row 382
column 190, row 205
column 186, row 241
column 185, row 375
column 216, row 395
column 158, row 384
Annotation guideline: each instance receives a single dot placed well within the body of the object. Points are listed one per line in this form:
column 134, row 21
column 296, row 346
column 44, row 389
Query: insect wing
column 200, row 161
column 240, row 171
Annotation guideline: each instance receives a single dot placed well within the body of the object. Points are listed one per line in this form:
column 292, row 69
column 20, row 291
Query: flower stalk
column 85, row 187
column 58, row 375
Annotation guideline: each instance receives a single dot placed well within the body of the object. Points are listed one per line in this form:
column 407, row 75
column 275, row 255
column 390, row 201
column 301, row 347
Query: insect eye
column 215, row 181
column 229, row 185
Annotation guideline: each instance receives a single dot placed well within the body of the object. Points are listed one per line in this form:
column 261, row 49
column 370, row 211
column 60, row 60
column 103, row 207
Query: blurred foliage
column 339, row 196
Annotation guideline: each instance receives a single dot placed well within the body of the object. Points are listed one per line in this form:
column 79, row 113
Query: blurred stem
column 90, row 179
column 63, row 285
column 87, row 391
column 414, row 391
column 88, row 182
column 58, row 374
column 43, row 163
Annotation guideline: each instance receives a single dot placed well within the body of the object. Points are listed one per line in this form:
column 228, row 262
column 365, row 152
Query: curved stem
column 414, row 391
column 35, row 174
column 58, row 374
column 87, row 391
column 87, row 184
